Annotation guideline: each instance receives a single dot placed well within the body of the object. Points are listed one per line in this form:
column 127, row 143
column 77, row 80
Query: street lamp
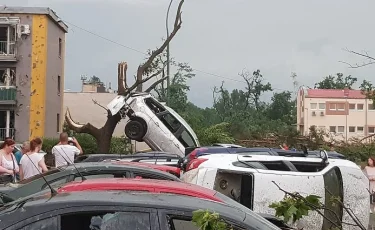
column 168, row 64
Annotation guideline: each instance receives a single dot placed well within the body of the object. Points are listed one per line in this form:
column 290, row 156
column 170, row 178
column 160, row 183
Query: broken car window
column 46, row 224
column 106, row 221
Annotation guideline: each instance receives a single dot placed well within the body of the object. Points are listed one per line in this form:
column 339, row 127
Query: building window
column 58, row 123
column 371, row 130
column 332, row 106
column 58, row 85
column 341, row 107
column 323, row 128
column 371, row 107
column 313, row 105
column 359, row 129
column 340, row 129
column 332, row 129
column 359, row 106
column 351, row 129
column 352, row 106
column 322, row 106
column 60, row 47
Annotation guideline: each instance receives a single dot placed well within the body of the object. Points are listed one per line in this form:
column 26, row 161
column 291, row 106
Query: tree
column 255, row 87
column 94, row 80
column 283, row 108
column 368, row 89
column 368, row 59
column 145, row 72
column 336, row 82
column 178, row 87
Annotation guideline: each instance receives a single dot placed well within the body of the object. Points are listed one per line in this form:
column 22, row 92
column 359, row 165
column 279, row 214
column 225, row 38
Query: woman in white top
column 8, row 163
column 32, row 163
column 370, row 173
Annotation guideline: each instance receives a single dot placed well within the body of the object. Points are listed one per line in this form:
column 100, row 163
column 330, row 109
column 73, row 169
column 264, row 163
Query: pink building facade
column 345, row 114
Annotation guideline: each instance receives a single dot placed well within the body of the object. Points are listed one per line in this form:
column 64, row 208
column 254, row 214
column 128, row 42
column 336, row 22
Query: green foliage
column 206, row 220
column 338, row 82
column 294, row 206
column 88, row 143
column 368, row 89
column 216, row 134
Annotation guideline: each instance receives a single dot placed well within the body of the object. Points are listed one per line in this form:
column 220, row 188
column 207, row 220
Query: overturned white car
column 252, row 179
column 159, row 126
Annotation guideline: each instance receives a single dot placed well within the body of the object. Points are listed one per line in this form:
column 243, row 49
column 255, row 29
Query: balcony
column 4, row 132
column 8, row 51
column 8, row 95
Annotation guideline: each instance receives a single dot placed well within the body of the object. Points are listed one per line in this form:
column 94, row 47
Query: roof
column 152, row 186
column 35, row 10
column 335, row 93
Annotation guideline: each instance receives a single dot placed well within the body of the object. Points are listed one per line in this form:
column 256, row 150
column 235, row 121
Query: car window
column 46, row 224
column 106, row 221
column 78, row 178
column 30, row 179
column 333, row 190
column 171, row 122
column 186, row 139
column 57, row 182
column 154, row 105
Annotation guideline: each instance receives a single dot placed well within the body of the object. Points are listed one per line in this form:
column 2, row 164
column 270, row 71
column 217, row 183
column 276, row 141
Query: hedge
column 119, row 145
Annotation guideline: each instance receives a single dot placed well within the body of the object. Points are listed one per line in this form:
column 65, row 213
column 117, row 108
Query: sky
column 218, row 38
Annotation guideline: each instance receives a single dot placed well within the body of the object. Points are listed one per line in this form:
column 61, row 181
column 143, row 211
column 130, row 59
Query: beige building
column 345, row 114
column 83, row 110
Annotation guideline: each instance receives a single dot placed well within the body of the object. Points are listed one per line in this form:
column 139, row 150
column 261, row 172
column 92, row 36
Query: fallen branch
column 98, row 104
column 153, row 85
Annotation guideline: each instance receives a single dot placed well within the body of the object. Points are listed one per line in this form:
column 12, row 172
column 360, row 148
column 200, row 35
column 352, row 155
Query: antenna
column 53, row 191
column 79, row 173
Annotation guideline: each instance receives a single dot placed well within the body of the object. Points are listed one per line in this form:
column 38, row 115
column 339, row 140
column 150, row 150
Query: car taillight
column 195, row 163
column 192, row 155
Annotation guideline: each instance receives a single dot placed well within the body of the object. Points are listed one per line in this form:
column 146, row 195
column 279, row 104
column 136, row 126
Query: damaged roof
column 35, row 10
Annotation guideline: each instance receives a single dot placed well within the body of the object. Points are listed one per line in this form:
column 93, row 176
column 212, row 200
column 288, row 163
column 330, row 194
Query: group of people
column 29, row 162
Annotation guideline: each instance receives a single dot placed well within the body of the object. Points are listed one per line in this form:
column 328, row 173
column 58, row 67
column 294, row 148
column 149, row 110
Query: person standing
column 32, row 163
column 64, row 152
column 24, row 149
column 8, row 164
column 369, row 170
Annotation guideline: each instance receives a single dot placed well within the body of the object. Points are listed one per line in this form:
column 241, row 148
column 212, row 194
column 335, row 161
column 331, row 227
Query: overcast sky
column 220, row 37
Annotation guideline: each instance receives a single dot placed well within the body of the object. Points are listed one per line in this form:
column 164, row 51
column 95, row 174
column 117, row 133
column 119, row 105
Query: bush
column 119, row 145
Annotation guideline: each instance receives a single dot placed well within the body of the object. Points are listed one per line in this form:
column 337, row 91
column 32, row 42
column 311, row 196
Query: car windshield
column 184, row 123
column 30, row 179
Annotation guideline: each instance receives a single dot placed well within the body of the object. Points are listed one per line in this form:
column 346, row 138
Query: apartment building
column 345, row 113
column 32, row 50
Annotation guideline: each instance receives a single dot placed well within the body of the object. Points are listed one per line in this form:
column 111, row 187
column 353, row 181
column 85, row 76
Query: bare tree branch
column 121, row 78
column 81, row 128
column 98, row 104
column 151, row 87
column 369, row 60
column 155, row 53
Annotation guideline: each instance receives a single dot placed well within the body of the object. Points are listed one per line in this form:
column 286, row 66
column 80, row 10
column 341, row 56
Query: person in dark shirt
column 24, row 149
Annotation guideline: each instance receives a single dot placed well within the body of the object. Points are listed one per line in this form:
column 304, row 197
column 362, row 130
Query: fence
column 3, row 133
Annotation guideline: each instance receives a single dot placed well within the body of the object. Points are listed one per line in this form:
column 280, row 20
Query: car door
column 95, row 217
column 181, row 220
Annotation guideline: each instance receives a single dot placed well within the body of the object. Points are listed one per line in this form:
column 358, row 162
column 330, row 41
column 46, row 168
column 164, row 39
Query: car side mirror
column 323, row 155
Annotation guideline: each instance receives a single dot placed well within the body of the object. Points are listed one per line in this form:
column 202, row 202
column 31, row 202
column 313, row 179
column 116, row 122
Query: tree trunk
column 106, row 132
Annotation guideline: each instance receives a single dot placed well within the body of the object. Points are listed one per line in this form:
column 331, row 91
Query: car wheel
column 135, row 129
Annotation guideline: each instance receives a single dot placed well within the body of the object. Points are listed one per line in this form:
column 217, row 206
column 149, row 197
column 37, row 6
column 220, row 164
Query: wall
column 23, row 80
column 346, row 117
column 83, row 110
column 55, row 68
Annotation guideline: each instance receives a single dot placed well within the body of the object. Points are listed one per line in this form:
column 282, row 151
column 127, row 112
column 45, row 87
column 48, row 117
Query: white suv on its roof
column 250, row 180
column 159, row 126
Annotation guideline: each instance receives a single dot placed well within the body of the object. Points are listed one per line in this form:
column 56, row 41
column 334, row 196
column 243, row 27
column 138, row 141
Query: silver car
column 159, row 126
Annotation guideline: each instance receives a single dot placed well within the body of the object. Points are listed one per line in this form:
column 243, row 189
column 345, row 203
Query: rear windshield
column 30, row 179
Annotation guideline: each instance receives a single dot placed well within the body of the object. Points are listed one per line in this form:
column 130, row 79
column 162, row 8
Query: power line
column 138, row 51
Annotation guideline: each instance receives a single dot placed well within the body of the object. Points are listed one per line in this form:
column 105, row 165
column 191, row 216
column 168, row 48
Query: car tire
column 136, row 129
